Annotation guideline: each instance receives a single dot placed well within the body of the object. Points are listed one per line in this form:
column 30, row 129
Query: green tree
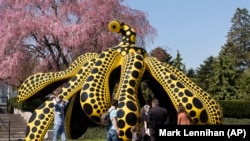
column 191, row 74
column 162, row 55
column 243, row 85
column 233, row 62
column 177, row 62
column 205, row 73
column 239, row 37
column 223, row 82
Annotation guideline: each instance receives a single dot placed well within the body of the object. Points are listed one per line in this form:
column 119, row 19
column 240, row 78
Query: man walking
column 157, row 116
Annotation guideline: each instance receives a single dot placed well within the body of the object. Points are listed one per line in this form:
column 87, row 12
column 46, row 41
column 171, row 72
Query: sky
column 197, row 28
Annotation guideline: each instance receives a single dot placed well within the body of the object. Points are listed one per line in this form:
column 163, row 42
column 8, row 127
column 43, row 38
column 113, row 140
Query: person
column 134, row 131
column 183, row 117
column 144, row 132
column 113, row 130
column 157, row 116
column 59, row 107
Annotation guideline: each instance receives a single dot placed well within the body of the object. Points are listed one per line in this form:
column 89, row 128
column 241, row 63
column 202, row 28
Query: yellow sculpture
column 90, row 81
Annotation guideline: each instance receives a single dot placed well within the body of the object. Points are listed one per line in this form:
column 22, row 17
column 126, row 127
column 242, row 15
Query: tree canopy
column 46, row 35
column 226, row 76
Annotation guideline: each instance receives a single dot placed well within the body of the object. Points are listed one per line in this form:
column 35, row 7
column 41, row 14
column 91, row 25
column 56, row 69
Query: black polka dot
column 102, row 55
column 197, row 103
column 94, row 71
column 138, row 65
column 88, row 108
column 179, row 85
column 180, row 94
column 46, row 110
column 184, row 99
column 91, row 95
column 188, row 93
column 51, row 105
column 131, row 106
column 135, row 74
column 84, row 97
column 132, row 83
column 86, row 86
column 120, row 113
column 192, row 113
column 121, row 104
column 172, row 86
column 32, row 136
column 41, row 116
column 128, row 134
column 34, row 129
column 131, row 97
column 121, row 134
column 139, row 57
column 74, row 78
column 173, row 77
column 131, row 118
column 31, row 78
column 176, row 90
column 121, row 123
column 204, row 116
column 90, row 78
column 130, row 91
column 92, row 101
column 37, row 122
column 189, row 106
column 121, row 98
column 98, row 63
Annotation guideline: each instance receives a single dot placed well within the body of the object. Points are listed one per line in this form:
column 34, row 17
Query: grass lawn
column 98, row 133
column 236, row 121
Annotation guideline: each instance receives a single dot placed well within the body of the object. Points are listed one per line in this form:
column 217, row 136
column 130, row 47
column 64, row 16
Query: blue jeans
column 112, row 135
column 59, row 130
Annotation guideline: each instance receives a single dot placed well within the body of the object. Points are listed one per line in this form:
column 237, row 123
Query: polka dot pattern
column 128, row 108
column 40, row 121
column 203, row 109
column 95, row 97
column 41, row 118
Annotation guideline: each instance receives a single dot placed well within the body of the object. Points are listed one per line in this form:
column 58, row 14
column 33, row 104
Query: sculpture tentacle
column 37, row 82
column 202, row 108
column 95, row 93
column 46, row 110
column 213, row 107
column 128, row 105
column 40, row 121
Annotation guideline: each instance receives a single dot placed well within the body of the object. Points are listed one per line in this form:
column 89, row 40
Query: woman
column 183, row 116
column 145, row 135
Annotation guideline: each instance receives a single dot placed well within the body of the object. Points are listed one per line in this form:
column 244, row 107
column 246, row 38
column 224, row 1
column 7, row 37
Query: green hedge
column 29, row 105
column 235, row 109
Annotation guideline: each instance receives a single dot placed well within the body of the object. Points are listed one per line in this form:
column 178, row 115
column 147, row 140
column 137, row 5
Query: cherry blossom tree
column 47, row 35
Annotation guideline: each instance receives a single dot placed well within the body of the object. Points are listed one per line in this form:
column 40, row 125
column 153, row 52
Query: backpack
column 105, row 118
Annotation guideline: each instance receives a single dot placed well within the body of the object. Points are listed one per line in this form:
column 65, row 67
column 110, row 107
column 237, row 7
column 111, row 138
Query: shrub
column 235, row 109
column 29, row 105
